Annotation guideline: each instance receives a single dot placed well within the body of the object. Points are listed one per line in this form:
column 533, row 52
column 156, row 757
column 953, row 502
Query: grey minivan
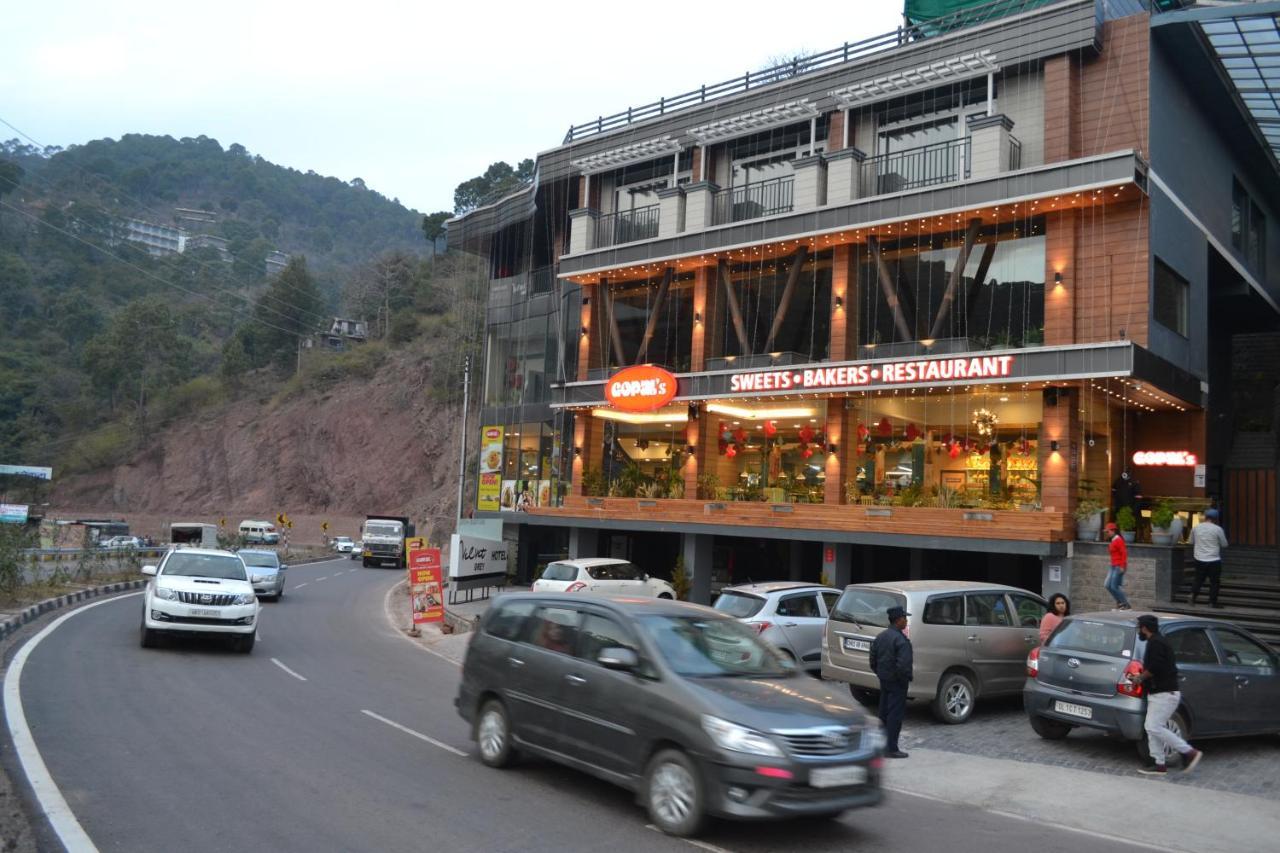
column 969, row 639
column 683, row 705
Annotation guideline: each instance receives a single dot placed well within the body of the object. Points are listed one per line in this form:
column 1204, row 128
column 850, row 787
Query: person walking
column 1160, row 675
column 891, row 661
column 1207, row 542
column 1059, row 608
column 1119, row 565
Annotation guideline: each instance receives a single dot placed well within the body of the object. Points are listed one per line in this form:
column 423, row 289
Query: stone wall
column 1154, row 572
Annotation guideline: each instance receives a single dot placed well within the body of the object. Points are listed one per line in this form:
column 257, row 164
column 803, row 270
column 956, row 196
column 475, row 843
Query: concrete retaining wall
column 1154, row 572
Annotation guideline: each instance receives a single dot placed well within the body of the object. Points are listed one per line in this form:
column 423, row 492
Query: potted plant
column 1128, row 523
column 1162, row 523
column 708, row 487
column 1088, row 519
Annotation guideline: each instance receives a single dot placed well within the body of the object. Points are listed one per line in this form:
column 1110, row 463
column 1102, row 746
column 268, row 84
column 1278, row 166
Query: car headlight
column 873, row 737
column 246, row 598
column 735, row 738
column 164, row 593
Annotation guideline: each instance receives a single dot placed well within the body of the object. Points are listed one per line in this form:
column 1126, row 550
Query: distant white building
column 209, row 241
column 275, row 262
column 341, row 333
column 160, row 240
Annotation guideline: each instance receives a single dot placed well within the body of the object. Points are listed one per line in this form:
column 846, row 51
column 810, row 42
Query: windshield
column 866, row 606
column 1081, row 635
column 204, row 566
column 560, row 572
column 382, row 530
column 343, row 539
column 269, row 561
column 739, row 605
column 701, row 647
column 615, row 572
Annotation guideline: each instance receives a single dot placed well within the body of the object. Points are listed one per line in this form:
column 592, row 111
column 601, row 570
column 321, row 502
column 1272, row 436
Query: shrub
column 1125, row 519
column 101, row 448
column 1162, row 515
column 1087, row 508
column 593, row 484
column 680, row 580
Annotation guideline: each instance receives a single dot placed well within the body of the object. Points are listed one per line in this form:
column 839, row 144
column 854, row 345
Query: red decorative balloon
column 770, row 429
column 808, row 451
column 955, row 450
column 806, row 434
column 863, row 432
column 731, row 451
column 913, row 432
column 740, row 435
column 884, row 428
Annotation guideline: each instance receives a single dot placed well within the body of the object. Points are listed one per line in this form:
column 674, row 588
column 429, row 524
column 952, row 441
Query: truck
column 194, row 533
column 383, row 540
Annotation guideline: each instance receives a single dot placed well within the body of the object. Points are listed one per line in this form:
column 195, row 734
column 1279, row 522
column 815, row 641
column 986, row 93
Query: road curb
column 9, row 626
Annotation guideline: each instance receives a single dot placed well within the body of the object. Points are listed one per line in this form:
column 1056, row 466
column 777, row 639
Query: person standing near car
column 1160, row 675
column 1119, row 565
column 1059, row 609
column 891, row 661
column 1207, row 542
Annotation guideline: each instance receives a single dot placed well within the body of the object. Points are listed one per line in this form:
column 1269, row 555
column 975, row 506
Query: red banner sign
column 1167, row 458
column 426, row 594
column 879, row 373
column 642, row 388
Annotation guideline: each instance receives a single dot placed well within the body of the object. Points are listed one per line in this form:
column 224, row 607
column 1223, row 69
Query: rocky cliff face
column 377, row 445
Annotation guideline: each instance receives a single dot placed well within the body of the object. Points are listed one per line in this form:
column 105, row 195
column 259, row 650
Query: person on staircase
column 1207, row 542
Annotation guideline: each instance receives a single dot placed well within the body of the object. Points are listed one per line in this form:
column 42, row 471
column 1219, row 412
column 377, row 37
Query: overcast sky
column 412, row 100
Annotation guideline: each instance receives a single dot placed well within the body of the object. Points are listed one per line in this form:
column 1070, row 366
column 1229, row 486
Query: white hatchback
column 200, row 591
column 602, row 575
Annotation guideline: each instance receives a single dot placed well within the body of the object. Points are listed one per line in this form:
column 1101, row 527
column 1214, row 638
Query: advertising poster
column 510, row 495
column 490, row 487
column 13, row 513
column 543, row 496
column 471, row 556
column 426, row 597
column 35, row 471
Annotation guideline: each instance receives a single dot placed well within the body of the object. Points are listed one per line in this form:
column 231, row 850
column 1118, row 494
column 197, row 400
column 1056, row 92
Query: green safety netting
column 956, row 14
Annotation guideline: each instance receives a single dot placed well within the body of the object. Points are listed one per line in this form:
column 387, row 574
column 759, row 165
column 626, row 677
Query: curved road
column 339, row 734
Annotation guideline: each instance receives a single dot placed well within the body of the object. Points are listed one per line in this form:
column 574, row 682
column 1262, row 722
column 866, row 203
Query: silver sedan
column 267, row 572
column 786, row 614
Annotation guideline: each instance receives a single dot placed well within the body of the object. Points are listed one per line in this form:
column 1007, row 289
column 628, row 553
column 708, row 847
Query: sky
column 412, row 100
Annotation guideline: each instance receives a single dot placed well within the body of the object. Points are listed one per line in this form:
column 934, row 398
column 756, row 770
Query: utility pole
column 462, row 454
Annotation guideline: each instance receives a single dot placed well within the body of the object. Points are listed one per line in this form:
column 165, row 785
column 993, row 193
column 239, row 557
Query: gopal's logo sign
column 1170, row 458
column 642, row 388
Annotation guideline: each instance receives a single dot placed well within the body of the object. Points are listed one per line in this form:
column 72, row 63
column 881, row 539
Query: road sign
column 222, row 522
column 288, row 524
column 324, row 525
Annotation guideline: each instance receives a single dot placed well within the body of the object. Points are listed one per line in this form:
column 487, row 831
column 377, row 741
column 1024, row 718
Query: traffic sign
column 222, row 522
column 324, row 525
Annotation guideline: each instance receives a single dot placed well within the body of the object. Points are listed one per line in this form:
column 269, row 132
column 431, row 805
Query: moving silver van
column 969, row 639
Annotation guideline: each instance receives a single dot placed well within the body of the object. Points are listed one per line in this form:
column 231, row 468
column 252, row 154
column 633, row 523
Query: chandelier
column 985, row 421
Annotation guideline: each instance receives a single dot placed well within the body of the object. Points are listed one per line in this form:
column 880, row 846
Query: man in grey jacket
column 1207, row 542
column 892, row 663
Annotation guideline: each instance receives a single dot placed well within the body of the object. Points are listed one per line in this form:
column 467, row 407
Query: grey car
column 267, row 571
column 790, row 616
column 1229, row 680
column 969, row 639
column 681, row 704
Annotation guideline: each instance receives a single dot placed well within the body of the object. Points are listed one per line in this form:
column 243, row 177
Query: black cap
column 896, row 613
column 1151, row 623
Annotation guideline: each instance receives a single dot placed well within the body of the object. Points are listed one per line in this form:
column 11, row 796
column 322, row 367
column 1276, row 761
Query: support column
column 844, row 305
column 810, row 188
column 844, row 174
column 583, row 543
column 839, row 431
column 1059, row 469
column 589, row 335
column 582, row 230
column 837, row 563
column 701, row 311
column 1061, row 233
column 670, row 211
column 1061, row 107
column 989, row 145
column 699, row 202
column 588, row 436
column 697, row 551
column 915, row 569
column 698, row 436
column 796, row 560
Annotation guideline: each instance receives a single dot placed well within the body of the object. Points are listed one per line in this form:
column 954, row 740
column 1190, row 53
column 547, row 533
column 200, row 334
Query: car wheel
column 1049, row 729
column 244, row 644
column 665, row 595
column 1177, row 724
column 493, row 735
column 954, row 703
column 150, row 638
column 673, row 793
column 870, row 698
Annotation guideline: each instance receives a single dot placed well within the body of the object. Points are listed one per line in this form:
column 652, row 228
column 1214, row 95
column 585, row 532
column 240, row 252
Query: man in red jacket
column 1119, row 564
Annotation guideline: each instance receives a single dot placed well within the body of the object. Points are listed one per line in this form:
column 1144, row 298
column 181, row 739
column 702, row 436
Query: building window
column 1171, row 301
column 1248, row 228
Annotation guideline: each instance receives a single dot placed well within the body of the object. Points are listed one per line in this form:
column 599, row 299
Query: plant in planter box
column 946, row 498
column 1088, row 519
column 1161, row 521
column 593, row 484
column 1127, row 522
column 708, row 487
column 680, row 580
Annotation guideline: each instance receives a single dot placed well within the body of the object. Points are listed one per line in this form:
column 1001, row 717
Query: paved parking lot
column 999, row 729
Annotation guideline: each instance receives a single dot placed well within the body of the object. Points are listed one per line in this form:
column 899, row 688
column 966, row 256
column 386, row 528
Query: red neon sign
column 1166, row 458
column 883, row 373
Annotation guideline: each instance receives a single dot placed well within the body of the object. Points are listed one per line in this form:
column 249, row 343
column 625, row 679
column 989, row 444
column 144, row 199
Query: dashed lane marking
column 277, row 662
column 301, row 585
column 325, row 578
column 418, row 735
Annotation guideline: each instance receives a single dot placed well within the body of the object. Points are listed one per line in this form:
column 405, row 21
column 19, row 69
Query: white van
column 259, row 532
column 194, row 534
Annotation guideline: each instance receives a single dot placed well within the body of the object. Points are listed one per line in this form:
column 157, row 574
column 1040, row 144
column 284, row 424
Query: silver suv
column 789, row 616
column 969, row 639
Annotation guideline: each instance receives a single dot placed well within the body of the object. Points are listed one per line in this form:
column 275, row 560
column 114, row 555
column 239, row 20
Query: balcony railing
column 627, row 226
column 926, row 166
column 1015, row 154
column 753, row 201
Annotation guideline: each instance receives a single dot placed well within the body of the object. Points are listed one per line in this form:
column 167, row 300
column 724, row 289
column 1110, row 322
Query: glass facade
column 759, row 287
column 520, row 357
column 633, row 304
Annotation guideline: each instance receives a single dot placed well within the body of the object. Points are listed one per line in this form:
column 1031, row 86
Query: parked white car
column 120, row 543
column 602, row 575
column 200, row 591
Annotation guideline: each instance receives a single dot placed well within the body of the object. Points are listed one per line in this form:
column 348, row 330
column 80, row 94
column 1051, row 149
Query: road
column 337, row 733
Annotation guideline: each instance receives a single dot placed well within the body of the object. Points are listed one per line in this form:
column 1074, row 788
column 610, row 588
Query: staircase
column 1250, row 601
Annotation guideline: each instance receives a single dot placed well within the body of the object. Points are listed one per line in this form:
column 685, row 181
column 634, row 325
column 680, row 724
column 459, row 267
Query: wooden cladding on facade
column 1251, row 506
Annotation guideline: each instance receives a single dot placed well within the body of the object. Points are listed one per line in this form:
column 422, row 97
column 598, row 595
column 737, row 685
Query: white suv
column 602, row 575
column 200, row 591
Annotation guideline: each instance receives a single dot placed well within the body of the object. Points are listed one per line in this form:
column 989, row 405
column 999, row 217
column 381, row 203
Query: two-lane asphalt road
column 339, row 734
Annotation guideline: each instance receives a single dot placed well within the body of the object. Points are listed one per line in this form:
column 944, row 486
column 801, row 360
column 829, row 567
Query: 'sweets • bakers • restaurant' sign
column 904, row 372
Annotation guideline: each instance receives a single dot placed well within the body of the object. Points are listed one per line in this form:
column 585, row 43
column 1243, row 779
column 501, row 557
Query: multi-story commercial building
column 896, row 309
column 159, row 240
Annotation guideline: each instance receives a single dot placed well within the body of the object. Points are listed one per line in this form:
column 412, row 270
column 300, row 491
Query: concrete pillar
column 1055, row 576
column 797, row 560
column 839, row 431
column 844, row 172
column 582, row 230
column 702, row 303
column 915, row 569
column 696, row 548
column 1061, row 108
column 1059, row 468
column 670, row 211
column 837, row 563
column 1061, row 232
column 989, row 145
column 583, row 542
column 810, row 189
column 699, row 202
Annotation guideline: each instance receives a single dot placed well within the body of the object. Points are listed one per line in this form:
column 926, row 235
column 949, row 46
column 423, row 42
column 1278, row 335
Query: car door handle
column 788, row 624
column 973, row 638
column 575, row 680
column 515, row 662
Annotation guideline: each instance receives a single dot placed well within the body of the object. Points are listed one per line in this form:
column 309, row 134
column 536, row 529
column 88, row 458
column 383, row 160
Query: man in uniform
column 892, row 664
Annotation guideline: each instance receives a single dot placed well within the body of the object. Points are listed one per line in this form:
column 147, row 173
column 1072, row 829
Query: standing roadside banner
column 426, row 598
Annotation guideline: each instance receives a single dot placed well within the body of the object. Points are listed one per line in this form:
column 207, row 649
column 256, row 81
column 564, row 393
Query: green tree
column 433, row 224
column 382, row 289
column 290, row 310
column 140, row 351
column 498, row 180
column 235, row 362
column 10, row 176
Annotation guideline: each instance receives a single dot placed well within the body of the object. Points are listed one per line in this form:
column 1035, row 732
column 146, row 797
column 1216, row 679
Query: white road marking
column 52, row 803
column 418, row 735
column 277, row 662
column 701, row 845
column 301, row 585
column 325, row 578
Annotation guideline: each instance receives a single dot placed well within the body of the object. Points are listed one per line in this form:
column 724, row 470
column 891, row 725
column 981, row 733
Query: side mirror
column 618, row 658
column 283, row 566
column 149, row 570
column 257, row 579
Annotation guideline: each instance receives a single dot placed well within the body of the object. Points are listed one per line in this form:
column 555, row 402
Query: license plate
column 836, row 777
column 206, row 612
column 852, row 645
column 1073, row 710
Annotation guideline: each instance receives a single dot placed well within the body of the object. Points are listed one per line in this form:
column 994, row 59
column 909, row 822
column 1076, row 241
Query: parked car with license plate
column 968, row 639
column 602, row 575
column 681, row 704
column 788, row 615
column 1229, row 679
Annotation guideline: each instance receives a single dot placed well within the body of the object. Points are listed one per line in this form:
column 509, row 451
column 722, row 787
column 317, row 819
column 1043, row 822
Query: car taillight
column 1033, row 663
column 1127, row 687
column 761, row 627
column 576, row 586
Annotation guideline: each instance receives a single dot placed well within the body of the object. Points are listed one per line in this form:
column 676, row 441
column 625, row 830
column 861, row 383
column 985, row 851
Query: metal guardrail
column 751, row 201
column 926, row 166
column 627, row 226
column 805, row 65
column 43, row 555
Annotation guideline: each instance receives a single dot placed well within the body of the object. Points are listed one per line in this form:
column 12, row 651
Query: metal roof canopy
column 935, row 74
column 636, row 152
column 753, row 122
